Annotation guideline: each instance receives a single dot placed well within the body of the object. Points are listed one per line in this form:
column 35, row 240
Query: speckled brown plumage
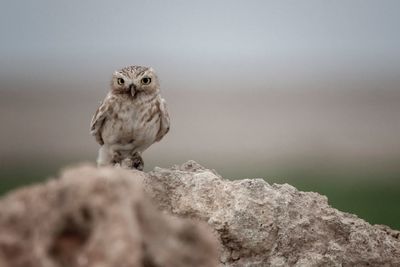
column 132, row 116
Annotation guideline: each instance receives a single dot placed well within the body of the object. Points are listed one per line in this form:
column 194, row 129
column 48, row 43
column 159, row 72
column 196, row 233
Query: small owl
column 131, row 118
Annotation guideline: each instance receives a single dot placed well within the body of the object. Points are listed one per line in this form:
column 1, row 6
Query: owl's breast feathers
column 129, row 123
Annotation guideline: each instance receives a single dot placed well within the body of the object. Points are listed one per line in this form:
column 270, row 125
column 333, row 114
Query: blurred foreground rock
column 100, row 217
column 97, row 217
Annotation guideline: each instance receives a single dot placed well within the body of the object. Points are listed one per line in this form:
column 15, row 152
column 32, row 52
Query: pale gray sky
column 217, row 40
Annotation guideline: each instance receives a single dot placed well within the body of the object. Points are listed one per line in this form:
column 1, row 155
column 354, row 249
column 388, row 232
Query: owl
column 131, row 118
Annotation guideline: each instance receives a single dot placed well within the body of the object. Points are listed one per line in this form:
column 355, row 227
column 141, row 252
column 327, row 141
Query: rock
column 101, row 217
column 97, row 217
column 259, row 224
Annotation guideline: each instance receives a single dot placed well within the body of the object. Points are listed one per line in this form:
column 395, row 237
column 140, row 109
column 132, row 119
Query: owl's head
column 135, row 80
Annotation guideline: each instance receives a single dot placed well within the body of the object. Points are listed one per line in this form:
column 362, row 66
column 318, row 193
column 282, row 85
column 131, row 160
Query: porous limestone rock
column 101, row 218
column 259, row 224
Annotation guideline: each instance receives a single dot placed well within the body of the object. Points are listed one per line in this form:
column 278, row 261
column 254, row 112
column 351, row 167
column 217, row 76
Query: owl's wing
column 98, row 120
column 164, row 122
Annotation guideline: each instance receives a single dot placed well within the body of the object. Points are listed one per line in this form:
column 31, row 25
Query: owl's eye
column 120, row 81
column 146, row 80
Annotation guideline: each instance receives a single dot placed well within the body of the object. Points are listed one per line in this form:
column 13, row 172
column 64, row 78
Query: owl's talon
column 133, row 161
column 138, row 164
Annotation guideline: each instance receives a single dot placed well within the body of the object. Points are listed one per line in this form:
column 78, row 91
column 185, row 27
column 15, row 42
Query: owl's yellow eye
column 146, row 80
column 120, row 81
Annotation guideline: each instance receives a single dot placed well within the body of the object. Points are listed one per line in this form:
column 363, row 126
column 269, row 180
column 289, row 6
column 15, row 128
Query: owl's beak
column 132, row 87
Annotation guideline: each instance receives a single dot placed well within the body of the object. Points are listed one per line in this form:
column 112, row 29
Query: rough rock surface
column 99, row 217
column 272, row 225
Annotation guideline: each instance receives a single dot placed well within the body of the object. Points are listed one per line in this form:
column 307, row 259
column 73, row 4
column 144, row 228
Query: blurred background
column 299, row 92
